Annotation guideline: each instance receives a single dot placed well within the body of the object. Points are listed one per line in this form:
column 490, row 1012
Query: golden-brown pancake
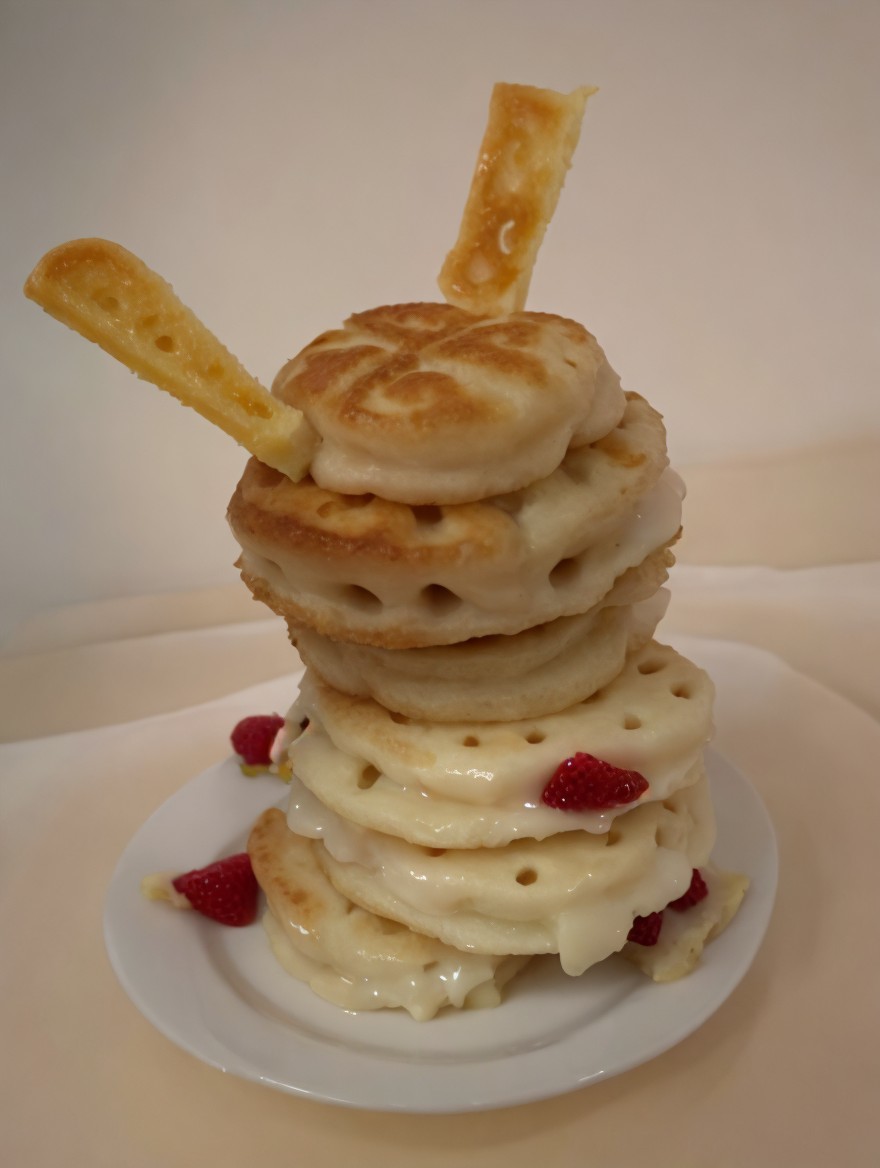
column 350, row 956
column 427, row 404
column 364, row 569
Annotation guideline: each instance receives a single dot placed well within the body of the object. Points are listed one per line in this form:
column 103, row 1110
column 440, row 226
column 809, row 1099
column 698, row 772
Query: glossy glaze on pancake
column 350, row 956
column 574, row 894
column 471, row 784
column 364, row 569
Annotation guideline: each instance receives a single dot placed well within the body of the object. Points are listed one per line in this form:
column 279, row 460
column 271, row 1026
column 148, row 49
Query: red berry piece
column 254, row 737
column 646, row 930
column 696, row 892
column 585, row 783
column 226, row 891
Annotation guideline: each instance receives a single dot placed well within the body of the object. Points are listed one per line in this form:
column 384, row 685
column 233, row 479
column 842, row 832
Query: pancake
column 363, row 569
column 428, row 404
column 356, row 798
column 535, row 672
column 575, row 894
column 350, row 956
column 654, row 718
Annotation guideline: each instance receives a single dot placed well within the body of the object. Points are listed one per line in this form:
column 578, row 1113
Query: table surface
column 793, row 1049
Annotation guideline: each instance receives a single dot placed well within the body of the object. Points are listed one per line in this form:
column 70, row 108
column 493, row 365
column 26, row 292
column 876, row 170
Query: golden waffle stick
column 112, row 298
column 526, row 151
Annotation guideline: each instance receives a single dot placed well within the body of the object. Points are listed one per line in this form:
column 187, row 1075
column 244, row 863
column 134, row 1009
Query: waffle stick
column 111, row 297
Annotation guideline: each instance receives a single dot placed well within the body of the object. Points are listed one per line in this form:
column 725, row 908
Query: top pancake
column 430, row 404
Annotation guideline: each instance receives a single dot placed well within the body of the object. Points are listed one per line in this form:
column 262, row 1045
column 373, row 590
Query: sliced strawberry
column 646, row 930
column 226, row 891
column 696, row 892
column 585, row 783
column 254, row 737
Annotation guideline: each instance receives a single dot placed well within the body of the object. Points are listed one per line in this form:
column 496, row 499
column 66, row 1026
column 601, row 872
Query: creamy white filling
column 459, row 979
column 589, row 917
column 440, row 821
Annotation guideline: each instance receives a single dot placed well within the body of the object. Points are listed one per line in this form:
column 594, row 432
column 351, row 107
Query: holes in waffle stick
column 427, row 403
column 476, row 570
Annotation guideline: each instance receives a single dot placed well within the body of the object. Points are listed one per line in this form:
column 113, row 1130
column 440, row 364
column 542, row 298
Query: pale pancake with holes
column 350, row 956
column 411, row 815
column 469, row 785
column 364, row 569
column 500, row 678
column 575, row 894
column 429, row 404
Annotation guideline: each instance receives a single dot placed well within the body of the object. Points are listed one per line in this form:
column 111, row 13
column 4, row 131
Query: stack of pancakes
column 472, row 574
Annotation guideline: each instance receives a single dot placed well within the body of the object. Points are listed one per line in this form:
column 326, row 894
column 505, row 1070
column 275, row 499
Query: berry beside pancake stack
column 466, row 523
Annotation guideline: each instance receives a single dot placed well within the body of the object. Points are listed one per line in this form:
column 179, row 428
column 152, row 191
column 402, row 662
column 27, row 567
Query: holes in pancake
column 105, row 301
column 361, row 598
column 470, row 741
column 432, row 965
column 386, row 926
column 566, row 572
column 427, row 515
column 368, row 777
column 343, row 503
column 511, row 504
column 577, row 469
column 439, row 599
column 400, row 719
column 571, row 364
column 682, row 690
column 526, row 876
column 631, row 722
column 534, row 737
column 434, row 852
column 165, row 343
column 652, row 665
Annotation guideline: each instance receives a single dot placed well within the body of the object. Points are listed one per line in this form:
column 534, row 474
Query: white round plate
column 219, row 993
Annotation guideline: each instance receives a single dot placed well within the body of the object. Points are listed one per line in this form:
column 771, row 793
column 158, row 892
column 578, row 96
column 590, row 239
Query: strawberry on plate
column 225, row 891
column 253, row 739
